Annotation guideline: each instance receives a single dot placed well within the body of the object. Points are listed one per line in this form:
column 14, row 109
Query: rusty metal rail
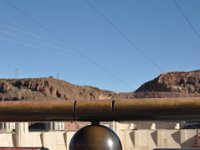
column 105, row 110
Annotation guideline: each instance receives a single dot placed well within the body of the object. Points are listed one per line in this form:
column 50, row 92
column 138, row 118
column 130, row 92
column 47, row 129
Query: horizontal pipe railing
column 104, row 110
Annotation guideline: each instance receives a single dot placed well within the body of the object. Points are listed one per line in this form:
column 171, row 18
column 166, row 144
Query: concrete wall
column 10, row 126
column 7, row 139
column 150, row 139
column 142, row 139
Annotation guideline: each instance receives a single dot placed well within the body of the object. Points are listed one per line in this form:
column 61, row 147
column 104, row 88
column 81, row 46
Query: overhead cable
column 186, row 19
column 70, row 46
column 49, row 40
column 133, row 44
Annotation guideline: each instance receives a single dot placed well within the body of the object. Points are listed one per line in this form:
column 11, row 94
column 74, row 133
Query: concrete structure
column 10, row 126
column 131, row 138
column 56, row 126
column 7, row 126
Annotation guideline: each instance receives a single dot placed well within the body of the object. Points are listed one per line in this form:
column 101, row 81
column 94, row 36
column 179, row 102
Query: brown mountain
column 173, row 84
column 181, row 83
column 50, row 89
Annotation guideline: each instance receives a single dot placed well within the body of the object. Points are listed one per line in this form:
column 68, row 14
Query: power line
column 23, row 31
column 52, row 46
column 186, row 19
column 51, row 49
column 133, row 44
column 73, row 48
column 58, row 75
column 33, row 34
column 49, row 40
column 36, row 41
column 37, row 47
column 16, row 72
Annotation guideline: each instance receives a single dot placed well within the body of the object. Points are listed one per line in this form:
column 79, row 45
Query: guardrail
column 104, row 110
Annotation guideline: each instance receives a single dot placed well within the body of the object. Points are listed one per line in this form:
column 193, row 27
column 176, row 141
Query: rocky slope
column 49, row 89
column 175, row 82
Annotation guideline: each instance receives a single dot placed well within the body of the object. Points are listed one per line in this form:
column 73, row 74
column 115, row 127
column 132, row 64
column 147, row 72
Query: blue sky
column 156, row 26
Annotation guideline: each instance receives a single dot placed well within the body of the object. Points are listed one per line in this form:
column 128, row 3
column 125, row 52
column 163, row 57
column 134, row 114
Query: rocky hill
column 48, row 89
column 173, row 84
column 178, row 82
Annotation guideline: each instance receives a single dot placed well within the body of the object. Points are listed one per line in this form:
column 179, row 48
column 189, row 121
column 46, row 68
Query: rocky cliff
column 175, row 82
column 49, row 89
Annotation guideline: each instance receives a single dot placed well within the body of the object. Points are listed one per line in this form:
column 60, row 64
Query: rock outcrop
column 175, row 82
column 49, row 89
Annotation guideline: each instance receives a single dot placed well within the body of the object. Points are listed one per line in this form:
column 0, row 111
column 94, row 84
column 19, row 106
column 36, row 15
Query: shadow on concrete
column 154, row 137
column 132, row 136
column 14, row 140
column 191, row 141
column 176, row 137
column 65, row 139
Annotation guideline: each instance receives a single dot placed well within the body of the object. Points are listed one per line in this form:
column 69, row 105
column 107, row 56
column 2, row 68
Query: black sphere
column 95, row 137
